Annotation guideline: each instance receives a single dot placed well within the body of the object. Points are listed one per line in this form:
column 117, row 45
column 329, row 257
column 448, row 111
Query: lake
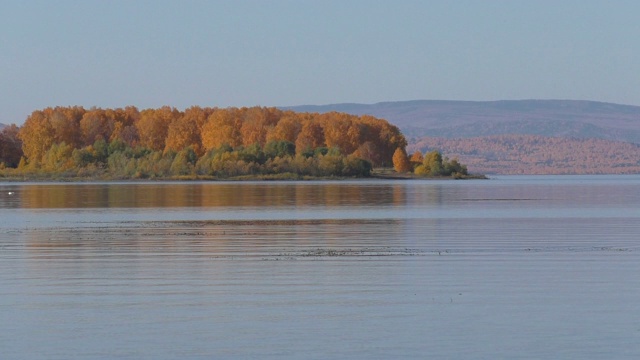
column 514, row 267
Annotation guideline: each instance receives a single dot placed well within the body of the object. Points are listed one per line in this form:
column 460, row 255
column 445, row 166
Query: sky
column 115, row 53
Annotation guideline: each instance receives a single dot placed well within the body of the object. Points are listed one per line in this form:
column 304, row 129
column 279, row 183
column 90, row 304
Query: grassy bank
column 390, row 174
column 15, row 175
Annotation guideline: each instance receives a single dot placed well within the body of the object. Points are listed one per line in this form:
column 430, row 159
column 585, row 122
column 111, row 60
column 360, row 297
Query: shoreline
column 379, row 174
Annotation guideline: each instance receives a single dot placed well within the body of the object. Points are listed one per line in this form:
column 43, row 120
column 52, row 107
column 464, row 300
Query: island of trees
column 164, row 143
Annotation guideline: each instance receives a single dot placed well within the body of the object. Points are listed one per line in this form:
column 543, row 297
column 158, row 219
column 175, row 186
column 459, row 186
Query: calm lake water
column 512, row 267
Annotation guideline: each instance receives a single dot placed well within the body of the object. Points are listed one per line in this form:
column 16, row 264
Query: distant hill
column 449, row 119
column 516, row 136
column 534, row 154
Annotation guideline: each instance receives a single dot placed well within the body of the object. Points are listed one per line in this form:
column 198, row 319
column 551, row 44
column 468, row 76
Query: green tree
column 433, row 163
column 277, row 148
column 100, row 150
column 453, row 167
column 183, row 163
column 58, row 158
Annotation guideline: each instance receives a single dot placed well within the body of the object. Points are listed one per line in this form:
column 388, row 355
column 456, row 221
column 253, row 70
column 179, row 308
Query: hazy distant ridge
column 517, row 136
column 532, row 154
column 443, row 118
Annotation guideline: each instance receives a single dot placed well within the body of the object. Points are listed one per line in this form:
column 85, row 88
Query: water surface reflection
column 198, row 194
column 357, row 269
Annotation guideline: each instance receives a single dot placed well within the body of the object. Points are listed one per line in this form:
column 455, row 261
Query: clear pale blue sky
column 275, row 53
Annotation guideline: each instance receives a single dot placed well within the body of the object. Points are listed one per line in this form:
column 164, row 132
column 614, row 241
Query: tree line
column 208, row 142
column 126, row 142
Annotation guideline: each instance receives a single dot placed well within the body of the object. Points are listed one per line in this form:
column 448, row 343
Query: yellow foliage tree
column 153, row 126
column 222, row 127
column 37, row 136
column 185, row 131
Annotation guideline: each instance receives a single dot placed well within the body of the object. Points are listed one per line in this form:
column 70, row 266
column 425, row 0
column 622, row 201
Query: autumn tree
column 185, row 131
column 124, row 129
column 287, row 129
column 336, row 127
column 416, row 158
column 400, row 161
column 222, row 127
column 153, row 125
column 366, row 151
column 356, row 132
column 310, row 137
column 65, row 122
column 256, row 123
column 127, row 134
column 96, row 124
column 390, row 138
column 37, row 136
column 381, row 139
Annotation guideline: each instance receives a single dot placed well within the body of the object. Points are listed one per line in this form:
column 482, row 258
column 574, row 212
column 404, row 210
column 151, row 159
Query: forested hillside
column 559, row 136
column 128, row 143
column 532, row 154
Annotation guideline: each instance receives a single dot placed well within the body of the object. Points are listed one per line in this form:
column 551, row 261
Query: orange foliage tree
column 287, row 128
column 185, row 131
column 124, row 129
column 37, row 136
column 222, row 127
column 400, row 161
column 416, row 158
column 311, row 136
column 336, row 131
column 256, row 123
column 153, row 125
column 65, row 122
column 96, row 124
